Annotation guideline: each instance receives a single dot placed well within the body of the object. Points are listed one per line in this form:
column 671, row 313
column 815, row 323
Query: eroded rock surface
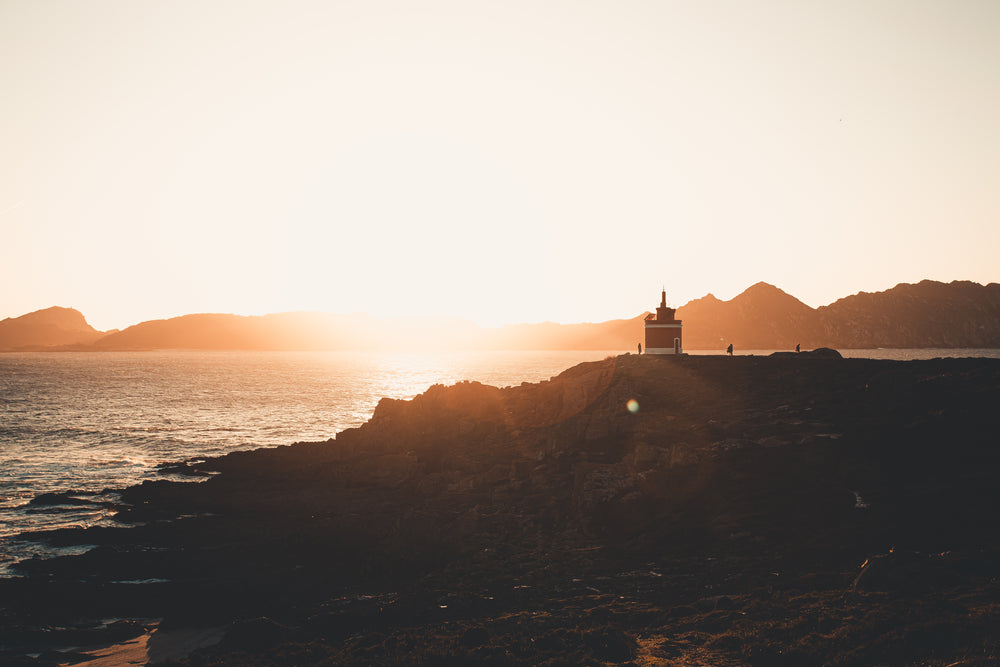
column 720, row 523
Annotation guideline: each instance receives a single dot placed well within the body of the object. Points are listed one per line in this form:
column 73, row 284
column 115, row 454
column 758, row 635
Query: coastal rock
column 255, row 635
column 549, row 522
column 597, row 483
column 818, row 353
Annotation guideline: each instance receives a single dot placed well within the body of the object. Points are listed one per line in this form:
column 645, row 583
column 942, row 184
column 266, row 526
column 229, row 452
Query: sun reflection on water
column 91, row 421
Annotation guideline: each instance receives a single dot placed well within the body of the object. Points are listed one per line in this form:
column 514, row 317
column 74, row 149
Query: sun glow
column 503, row 162
column 413, row 224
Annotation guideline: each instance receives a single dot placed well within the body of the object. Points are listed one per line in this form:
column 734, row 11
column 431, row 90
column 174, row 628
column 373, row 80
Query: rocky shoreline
column 795, row 509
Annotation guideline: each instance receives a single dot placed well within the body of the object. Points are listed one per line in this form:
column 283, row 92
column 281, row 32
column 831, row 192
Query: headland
column 785, row 510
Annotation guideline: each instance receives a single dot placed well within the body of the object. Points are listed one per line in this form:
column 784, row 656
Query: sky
column 515, row 161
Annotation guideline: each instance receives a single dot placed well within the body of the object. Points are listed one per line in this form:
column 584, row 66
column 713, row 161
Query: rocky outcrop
column 569, row 450
column 818, row 353
column 726, row 515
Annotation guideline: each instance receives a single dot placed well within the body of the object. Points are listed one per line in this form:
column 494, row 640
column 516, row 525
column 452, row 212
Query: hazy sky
column 504, row 161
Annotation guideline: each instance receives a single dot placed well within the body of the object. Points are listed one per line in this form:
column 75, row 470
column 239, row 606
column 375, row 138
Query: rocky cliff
column 709, row 510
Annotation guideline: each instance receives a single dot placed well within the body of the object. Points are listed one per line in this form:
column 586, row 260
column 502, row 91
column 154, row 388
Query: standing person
column 796, row 348
column 640, row 348
column 729, row 350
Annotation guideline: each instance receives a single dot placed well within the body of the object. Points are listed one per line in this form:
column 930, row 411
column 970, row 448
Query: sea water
column 95, row 421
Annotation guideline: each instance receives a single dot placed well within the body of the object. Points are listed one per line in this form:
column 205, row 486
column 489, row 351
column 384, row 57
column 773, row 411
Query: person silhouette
column 640, row 348
column 729, row 350
column 797, row 347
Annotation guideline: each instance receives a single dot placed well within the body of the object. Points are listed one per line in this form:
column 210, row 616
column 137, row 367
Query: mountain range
column 926, row 314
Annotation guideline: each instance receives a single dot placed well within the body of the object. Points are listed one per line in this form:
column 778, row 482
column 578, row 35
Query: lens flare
column 632, row 405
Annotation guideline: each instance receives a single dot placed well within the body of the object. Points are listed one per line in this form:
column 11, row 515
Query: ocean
column 95, row 422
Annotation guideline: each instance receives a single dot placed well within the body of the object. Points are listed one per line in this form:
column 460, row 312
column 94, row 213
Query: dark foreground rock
column 747, row 511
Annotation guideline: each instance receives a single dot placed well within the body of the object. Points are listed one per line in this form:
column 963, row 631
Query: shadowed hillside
column 927, row 314
column 762, row 317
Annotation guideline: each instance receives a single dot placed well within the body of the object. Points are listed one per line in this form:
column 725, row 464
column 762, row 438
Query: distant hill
column 323, row 331
column 49, row 328
column 762, row 317
column 215, row 331
column 290, row 331
column 927, row 314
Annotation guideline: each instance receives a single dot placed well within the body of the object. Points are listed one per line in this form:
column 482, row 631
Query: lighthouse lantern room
column 663, row 330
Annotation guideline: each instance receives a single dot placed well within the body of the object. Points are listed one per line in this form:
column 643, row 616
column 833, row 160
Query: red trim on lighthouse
column 663, row 331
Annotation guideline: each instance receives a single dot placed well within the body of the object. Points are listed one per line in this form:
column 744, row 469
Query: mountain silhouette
column 292, row 331
column 762, row 317
column 926, row 314
column 216, row 331
column 51, row 327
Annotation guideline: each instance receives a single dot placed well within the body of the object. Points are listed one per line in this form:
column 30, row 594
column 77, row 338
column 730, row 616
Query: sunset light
column 502, row 162
column 522, row 332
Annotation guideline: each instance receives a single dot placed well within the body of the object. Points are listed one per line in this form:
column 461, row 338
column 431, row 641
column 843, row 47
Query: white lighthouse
column 663, row 330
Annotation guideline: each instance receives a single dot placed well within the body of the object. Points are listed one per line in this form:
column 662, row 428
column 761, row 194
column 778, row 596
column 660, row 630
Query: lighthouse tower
column 663, row 330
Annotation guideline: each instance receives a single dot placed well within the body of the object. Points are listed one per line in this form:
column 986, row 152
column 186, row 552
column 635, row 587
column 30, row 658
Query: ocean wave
column 142, row 461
